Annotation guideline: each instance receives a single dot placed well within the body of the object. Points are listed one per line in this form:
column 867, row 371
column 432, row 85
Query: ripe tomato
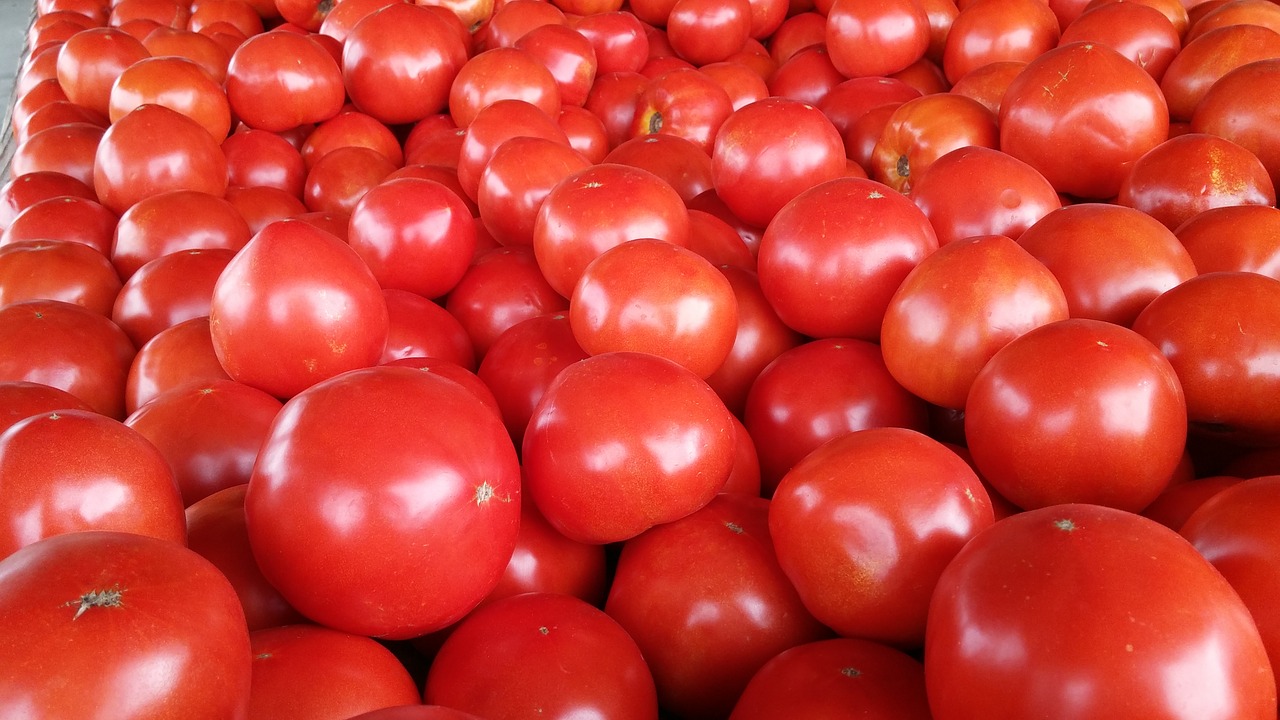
column 501, row 288
column 1241, row 106
column 761, row 336
column 327, row 317
column 707, row 31
column 832, row 257
column 64, row 599
column 700, row 661
column 57, row 270
column 957, row 308
column 167, row 291
column 1080, row 114
column 503, row 73
column 90, row 62
column 1114, row 439
column 28, row 189
column 1207, row 58
column 174, row 221
column 20, row 400
column 924, row 129
column 876, row 39
column 663, row 427
column 434, row 484
column 1241, row 237
column 68, row 149
column 153, row 150
column 685, row 103
column 552, row 655
column 278, row 81
column 176, row 83
column 421, row 328
column 1139, row 32
column 261, row 158
column 494, row 125
column 515, row 181
column 72, row 219
column 1158, row 632
column 989, row 31
column 179, row 355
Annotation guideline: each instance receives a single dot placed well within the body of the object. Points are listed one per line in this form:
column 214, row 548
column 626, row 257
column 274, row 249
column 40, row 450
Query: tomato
column 315, row 673
column 416, row 712
column 851, row 99
column 660, row 426
column 707, row 31
column 1177, row 503
column 495, row 124
column 876, row 39
column 68, row 347
column 1240, row 237
column 278, row 81
column 897, row 507
column 503, row 73
column 1219, row 331
column 399, row 61
column 28, row 189
column 838, row 674
column 544, row 561
column 66, row 218
column 500, row 289
column 1207, row 58
column 552, row 655
column 1241, row 107
column 988, row 83
column 654, row 297
column 422, row 328
column 975, row 191
column 91, row 61
column 167, row 291
column 1110, row 260
column 1114, row 439
column 306, row 14
column 58, row 113
column 260, row 158
column 76, row 470
column 807, row 76
column 1159, row 633
column 958, row 307
column 832, row 257
column 515, row 181
column 1191, row 173
column 405, row 434
column 820, row 390
column 136, row 595
column 20, row 400
column 586, row 132
column 768, row 152
column 599, row 208
column 685, row 103
column 1139, row 32
column 239, row 14
column 260, row 206
column 760, row 337
column 68, row 149
column 152, row 150
column 176, row 356
column 1080, row 114
column 522, row 363
column 346, row 13
column 513, row 19
column 351, row 128
column 924, row 129
column 177, row 84
column 216, row 530
column 618, row 39
column 287, row 267
column 988, row 31
column 568, row 55
column 414, row 235
column 200, row 49
column 57, row 270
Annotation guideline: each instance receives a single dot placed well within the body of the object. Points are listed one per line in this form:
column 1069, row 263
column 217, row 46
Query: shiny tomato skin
column 1241, row 237
column 923, row 129
column 423, row 328
column 169, row 222
column 838, row 674
column 178, row 84
column 286, row 266
column 876, row 39
column 91, row 61
column 1241, row 106
column 1207, row 58
column 179, row 355
column 958, row 307
column 701, row 663
column 1152, row 611
column 57, row 270
column 1139, row 32
column 989, row 31
column 1079, row 114
column 552, row 655
column 501, row 288
column 770, row 151
column 896, row 508
column 278, row 81
column 76, row 470
column 134, row 594
column 167, row 291
column 515, row 181
column 20, row 400
column 412, row 436
column 832, row 257
column 1112, row 436
column 305, row 672
column 662, row 425
column 1219, row 331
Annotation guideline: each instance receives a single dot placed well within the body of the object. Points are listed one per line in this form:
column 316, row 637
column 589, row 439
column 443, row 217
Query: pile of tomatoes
column 693, row 359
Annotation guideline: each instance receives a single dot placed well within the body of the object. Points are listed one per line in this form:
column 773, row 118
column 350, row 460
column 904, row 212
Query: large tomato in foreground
column 1082, row 611
column 110, row 625
column 385, row 502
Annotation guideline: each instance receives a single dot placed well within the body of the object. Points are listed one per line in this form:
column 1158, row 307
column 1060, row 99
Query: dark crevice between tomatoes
column 110, row 598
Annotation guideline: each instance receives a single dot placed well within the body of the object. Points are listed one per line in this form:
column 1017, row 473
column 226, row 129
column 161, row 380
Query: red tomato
column 304, row 672
column 433, row 481
column 20, row 400
column 68, row 347
column 179, row 355
column 618, row 39
column 820, row 390
column 278, row 81
column 68, row 149
column 568, row 55
column 769, row 152
column 552, row 655
column 260, row 206
column 337, row 181
column 851, row 99
column 351, row 128
column 1158, row 633
column 153, row 150
column 957, row 308
column 545, row 561
column 988, row 83
column 989, row 31
column 76, row 470
column 91, row 61
column 833, row 256
column 1219, row 331
column 494, row 125
column 422, row 328
column 327, row 312
column 398, row 63
column 924, row 129
column 177, row 42
column 700, row 661
column 655, row 297
column 209, row 433
column 178, row 84
column 28, row 189
column 414, row 235
column 685, row 103
column 663, row 427
column 1207, row 58
column 167, row 291
column 1177, row 503
column 133, row 594
column 896, row 508
column 1139, row 32
column 346, row 13
column 1241, row 237
column 876, row 39
column 503, row 73
column 707, row 31
column 586, row 132
column 599, row 208
column 1080, row 114
column 261, row 158
column 57, row 270
column 416, row 712
column 883, row 683
column 501, row 288
column 514, row 18
column 65, row 218
column 522, row 363
column 216, row 530
column 1186, row 175
column 761, row 336
column 1241, row 106
column 1114, row 440
column 174, row 221
column 515, row 181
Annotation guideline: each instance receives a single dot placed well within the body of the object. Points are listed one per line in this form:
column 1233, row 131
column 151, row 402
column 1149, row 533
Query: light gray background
column 15, row 18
